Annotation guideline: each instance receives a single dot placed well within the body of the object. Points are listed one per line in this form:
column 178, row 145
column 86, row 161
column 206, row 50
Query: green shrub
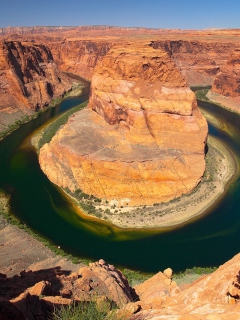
column 135, row 277
column 51, row 130
column 195, row 270
column 80, row 311
column 202, row 95
column 87, row 311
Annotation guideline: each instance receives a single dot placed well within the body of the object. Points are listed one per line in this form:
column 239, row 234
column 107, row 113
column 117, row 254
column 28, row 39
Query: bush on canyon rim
column 88, row 310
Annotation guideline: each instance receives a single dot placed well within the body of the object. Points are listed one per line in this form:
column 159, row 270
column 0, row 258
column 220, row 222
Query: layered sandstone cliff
column 79, row 56
column 29, row 78
column 226, row 86
column 198, row 60
column 143, row 138
column 227, row 82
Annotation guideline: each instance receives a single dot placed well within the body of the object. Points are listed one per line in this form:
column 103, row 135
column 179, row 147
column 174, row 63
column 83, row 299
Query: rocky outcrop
column 29, row 79
column 160, row 285
column 226, row 86
column 199, row 60
column 211, row 297
column 227, row 82
column 79, row 56
column 144, row 140
column 100, row 282
column 215, row 296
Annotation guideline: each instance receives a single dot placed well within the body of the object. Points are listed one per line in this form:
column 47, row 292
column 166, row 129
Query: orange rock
column 156, row 287
column 208, row 298
column 29, row 79
column 40, row 288
column 145, row 141
column 102, row 280
column 227, row 80
column 226, row 88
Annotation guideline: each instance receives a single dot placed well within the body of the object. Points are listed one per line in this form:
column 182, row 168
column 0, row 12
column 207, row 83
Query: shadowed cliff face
column 226, row 86
column 79, row 56
column 227, row 82
column 199, row 61
column 143, row 143
column 29, row 78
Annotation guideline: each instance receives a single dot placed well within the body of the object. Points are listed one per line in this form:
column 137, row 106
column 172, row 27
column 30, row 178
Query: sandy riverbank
column 232, row 104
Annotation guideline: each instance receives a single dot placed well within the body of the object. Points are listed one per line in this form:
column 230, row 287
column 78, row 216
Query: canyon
column 114, row 124
column 49, row 52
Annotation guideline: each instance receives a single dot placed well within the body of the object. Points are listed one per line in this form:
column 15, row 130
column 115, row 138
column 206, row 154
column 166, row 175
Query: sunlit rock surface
column 141, row 141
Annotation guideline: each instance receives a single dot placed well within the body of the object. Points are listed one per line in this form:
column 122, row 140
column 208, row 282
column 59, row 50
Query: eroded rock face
column 141, row 141
column 199, row 60
column 227, row 82
column 79, row 56
column 29, row 78
column 226, row 86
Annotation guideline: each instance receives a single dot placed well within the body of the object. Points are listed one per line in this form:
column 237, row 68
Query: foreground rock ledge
column 143, row 138
column 213, row 297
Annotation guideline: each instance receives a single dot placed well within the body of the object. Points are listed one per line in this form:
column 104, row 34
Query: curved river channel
column 209, row 241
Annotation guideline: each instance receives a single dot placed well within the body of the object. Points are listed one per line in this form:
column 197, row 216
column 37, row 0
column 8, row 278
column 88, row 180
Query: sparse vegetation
column 195, row 270
column 88, row 310
column 55, row 125
column 15, row 125
column 135, row 277
column 202, row 95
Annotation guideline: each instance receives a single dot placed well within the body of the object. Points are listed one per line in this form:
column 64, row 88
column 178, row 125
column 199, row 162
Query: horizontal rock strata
column 226, row 86
column 29, row 79
column 141, row 141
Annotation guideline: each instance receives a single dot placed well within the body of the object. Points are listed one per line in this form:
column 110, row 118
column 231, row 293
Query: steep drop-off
column 227, row 82
column 199, row 61
column 79, row 56
column 143, row 143
column 226, row 86
column 29, row 79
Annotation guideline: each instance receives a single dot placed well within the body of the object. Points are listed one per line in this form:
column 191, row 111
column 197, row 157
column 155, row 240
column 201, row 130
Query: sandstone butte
column 29, row 79
column 36, row 294
column 142, row 139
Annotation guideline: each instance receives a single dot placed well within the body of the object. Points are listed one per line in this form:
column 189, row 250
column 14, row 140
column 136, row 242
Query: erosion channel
column 208, row 241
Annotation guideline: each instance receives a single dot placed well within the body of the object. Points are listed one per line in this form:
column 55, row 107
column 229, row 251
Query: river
column 209, row 241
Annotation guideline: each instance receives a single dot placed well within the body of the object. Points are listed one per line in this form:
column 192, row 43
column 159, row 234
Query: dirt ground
column 20, row 251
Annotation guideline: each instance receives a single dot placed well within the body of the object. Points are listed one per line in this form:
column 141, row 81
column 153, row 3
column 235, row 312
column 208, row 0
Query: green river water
column 209, row 241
